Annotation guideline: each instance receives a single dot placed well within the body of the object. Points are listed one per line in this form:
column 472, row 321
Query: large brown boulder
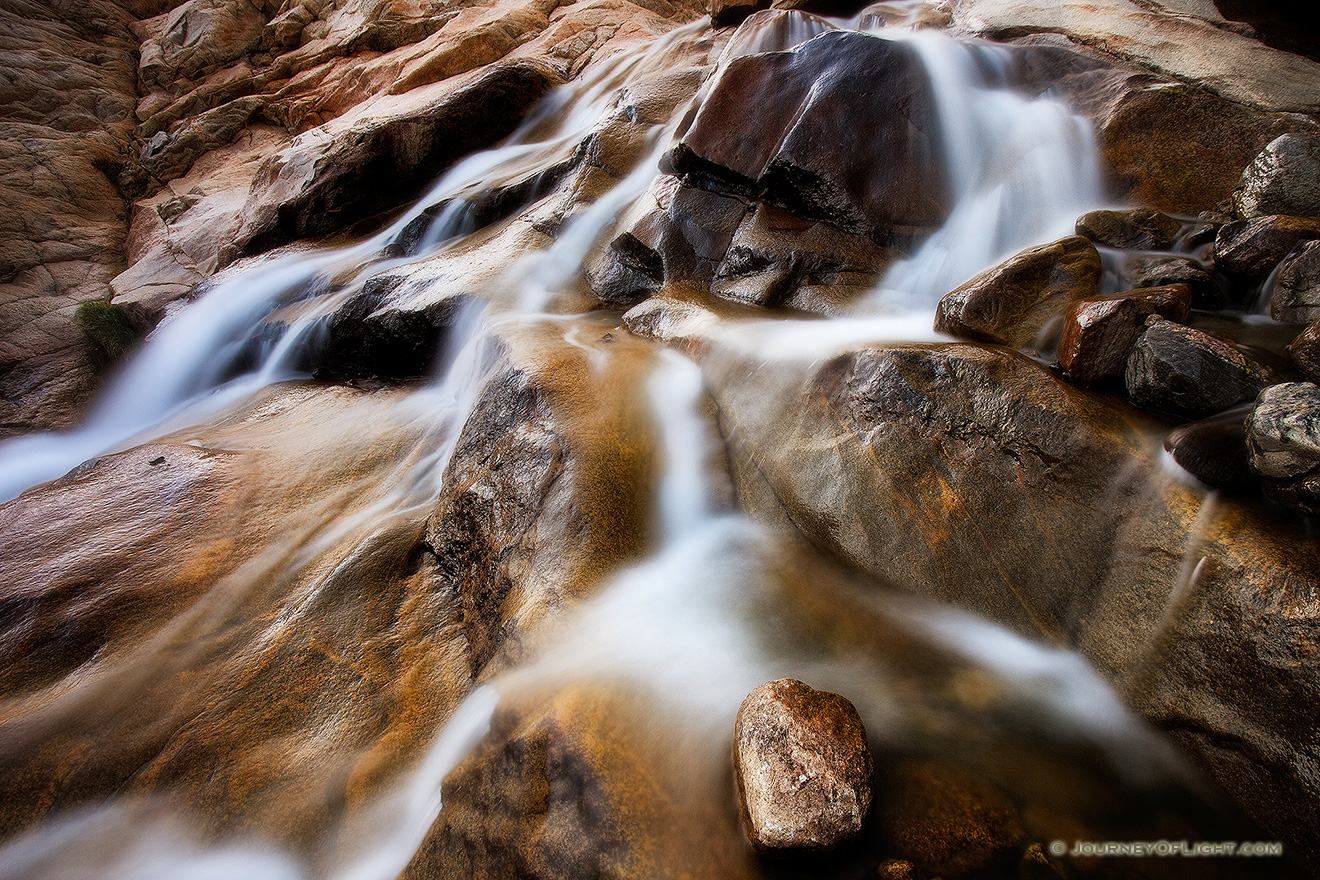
column 803, row 767
column 1015, row 302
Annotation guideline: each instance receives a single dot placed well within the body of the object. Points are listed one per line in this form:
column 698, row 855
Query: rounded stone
column 803, row 767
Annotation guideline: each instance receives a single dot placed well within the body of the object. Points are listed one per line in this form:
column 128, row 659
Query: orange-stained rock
column 1099, row 332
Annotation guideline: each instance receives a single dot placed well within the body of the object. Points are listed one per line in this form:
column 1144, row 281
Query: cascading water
column 714, row 608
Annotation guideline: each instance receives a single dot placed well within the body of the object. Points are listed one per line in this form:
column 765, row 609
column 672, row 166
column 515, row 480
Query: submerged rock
column 1185, row 372
column 1214, row 450
column 803, row 767
column 1016, row 301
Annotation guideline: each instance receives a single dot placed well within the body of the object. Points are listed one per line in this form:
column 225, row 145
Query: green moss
column 107, row 330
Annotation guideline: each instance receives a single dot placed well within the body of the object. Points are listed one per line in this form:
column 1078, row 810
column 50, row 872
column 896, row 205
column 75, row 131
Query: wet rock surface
column 1283, row 438
column 1296, row 296
column 1254, row 247
column 1099, row 333
column 1013, row 303
column 1282, row 179
column 1140, row 229
column 1184, row 372
column 803, row 767
column 1214, row 450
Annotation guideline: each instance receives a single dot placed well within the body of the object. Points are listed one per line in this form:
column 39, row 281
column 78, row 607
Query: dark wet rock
column 724, row 13
column 1014, row 302
column 1186, row 373
column 1284, row 178
column 1254, row 247
column 324, row 185
column 948, row 823
column 670, row 320
column 1099, row 332
column 372, row 337
column 803, row 767
column 1296, row 296
column 1305, row 350
column 770, row 130
column 1283, row 436
column 1158, row 271
column 1214, row 450
column 1138, row 229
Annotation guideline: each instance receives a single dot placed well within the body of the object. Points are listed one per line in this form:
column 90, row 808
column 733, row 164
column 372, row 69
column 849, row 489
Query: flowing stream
column 697, row 622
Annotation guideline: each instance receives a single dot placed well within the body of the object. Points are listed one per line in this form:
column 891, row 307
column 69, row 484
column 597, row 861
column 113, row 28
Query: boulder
column 1214, row 450
column 1139, row 229
column 1283, row 437
column 1189, row 374
column 769, row 129
column 724, row 13
column 1099, row 332
column 1159, row 271
column 803, row 767
column 1254, row 247
column 1018, row 300
column 1284, row 178
column 1305, row 350
column 1296, row 296
column 332, row 179
column 196, row 37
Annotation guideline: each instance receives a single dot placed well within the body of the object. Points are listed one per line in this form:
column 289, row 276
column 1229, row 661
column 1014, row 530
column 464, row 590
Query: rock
column 948, row 823
column 1296, row 296
column 1283, row 439
column 545, row 489
column 794, row 154
column 1138, row 229
column 1099, row 332
column 670, row 320
column 1214, row 450
column 368, row 337
column 1193, row 48
column 729, row 12
column 1305, row 350
column 803, row 767
column 1284, row 178
column 1177, row 148
column 196, row 37
column 322, row 184
column 1160, row 271
column 1186, row 373
column 1254, row 247
column 1015, row 302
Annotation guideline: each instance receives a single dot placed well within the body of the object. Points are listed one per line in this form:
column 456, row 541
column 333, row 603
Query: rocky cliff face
column 494, row 394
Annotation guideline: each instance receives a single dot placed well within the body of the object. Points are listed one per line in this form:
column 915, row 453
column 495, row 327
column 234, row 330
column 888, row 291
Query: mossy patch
column 107, row 329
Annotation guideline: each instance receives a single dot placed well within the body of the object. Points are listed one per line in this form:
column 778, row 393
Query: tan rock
column 803, row 767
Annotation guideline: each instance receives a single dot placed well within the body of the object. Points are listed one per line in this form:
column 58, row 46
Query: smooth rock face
column 802, row 765
column 1184, row 372
column 1159, row 271
column 1013, row 302
column 1283, row 437
column 1296, row 297
column 1098, row 333
column 1284, row 178
column 770, row 129
column 1254, row 247
column 1139, row 229
column 1214, row 450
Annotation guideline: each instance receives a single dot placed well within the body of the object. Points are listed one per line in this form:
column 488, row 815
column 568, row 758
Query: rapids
column 713, row 603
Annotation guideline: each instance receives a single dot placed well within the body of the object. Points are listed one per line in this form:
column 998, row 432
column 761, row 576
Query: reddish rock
column 803, row 767
column 1190, row 374
column 1012, row 303
column 1098, row 333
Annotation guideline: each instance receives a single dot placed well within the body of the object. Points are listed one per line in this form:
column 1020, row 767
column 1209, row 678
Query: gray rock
column 1283, row 179
column 802, row 765
column 1098, row 333
column 1283, row 443
column 1158, row 271
column 1296, row 297
column 1214, row 450
column 1254, row 247
column 1184, row 372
